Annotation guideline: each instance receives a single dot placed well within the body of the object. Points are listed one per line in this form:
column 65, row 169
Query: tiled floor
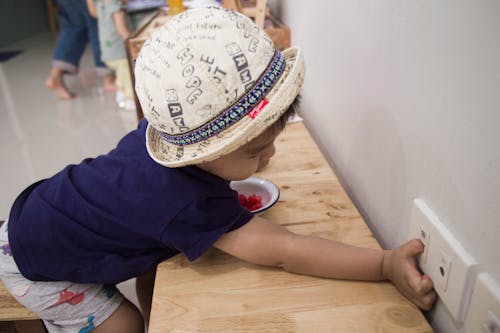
column 39, row 135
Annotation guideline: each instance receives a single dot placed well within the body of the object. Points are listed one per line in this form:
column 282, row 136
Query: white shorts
column 63, row 306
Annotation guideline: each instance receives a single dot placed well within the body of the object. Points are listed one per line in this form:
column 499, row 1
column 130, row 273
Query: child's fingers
column 421, row 292
column 429, row 299
column 426, row 301
column 416, row 286
column 427, row 284
column 420, row 284
column 413, row 247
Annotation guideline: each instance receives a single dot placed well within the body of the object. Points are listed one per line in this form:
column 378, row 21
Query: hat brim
column 279, row 99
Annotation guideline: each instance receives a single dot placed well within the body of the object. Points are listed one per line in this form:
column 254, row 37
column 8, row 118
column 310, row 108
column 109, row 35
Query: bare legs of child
column 144, row 288
column 55, row 82
column 126, row 319
column 108, row 83
column 78, row 29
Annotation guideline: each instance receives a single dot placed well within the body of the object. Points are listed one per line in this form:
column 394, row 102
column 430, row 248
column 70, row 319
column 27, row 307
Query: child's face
column 245, row 161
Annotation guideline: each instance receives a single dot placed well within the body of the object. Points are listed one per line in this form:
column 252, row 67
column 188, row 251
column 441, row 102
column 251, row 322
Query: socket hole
column 441, row 270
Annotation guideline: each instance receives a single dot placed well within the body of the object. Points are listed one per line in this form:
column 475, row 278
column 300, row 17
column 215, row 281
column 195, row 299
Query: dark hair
column 280, row 124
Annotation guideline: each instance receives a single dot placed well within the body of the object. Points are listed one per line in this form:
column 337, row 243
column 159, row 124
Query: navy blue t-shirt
column 116, row 216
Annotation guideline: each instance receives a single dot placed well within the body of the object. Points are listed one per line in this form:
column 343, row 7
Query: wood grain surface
column 219, row 293
column 10, row 309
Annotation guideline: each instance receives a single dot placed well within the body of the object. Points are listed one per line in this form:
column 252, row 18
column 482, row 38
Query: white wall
column 404, row 99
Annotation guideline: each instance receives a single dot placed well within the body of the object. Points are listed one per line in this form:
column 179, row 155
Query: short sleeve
column 194, row 230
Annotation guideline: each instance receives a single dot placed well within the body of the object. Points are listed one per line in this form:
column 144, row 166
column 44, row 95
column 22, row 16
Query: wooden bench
column 16, row 318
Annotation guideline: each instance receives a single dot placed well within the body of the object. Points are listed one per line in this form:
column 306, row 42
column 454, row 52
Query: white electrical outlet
column 444, row 267
column 484, row 310
column 444, row 260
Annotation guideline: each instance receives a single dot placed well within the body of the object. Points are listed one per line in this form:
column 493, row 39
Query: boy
column 77, row 28
column 215, row 92
column 113, row 25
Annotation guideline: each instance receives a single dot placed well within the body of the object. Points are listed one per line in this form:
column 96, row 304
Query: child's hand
column 400, row 267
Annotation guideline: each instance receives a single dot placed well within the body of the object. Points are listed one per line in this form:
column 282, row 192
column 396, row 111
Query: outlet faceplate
column 444, row 260
column 484, row 311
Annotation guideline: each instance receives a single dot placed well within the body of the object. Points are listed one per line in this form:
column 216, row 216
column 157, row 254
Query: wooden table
column 219, row 293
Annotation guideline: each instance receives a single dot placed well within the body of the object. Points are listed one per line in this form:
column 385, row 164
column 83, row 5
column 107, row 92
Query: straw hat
column 209, row 81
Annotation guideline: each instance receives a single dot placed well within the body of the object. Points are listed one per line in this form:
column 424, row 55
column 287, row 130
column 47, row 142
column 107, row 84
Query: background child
column 77, row 29
column 215, row 93
column 114, row 28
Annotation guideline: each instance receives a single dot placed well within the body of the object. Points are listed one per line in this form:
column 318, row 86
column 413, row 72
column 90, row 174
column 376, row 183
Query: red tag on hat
column 256, row 110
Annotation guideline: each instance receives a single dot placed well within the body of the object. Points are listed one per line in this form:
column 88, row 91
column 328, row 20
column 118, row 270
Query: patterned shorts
column 63, row 306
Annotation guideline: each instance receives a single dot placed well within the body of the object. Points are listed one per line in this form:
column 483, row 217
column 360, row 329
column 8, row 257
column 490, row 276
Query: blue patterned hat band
column 242, row 107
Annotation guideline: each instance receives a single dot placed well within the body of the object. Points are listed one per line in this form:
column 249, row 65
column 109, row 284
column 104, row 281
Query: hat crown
column 197, row 65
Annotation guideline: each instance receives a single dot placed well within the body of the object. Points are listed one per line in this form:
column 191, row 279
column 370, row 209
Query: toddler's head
column 209, row 82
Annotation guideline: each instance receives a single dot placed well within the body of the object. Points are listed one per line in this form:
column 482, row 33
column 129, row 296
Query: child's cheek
column 262, row 164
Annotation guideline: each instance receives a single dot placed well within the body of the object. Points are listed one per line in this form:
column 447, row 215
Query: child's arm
column 266, row 243
column 119, row 18
column 91, row 7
